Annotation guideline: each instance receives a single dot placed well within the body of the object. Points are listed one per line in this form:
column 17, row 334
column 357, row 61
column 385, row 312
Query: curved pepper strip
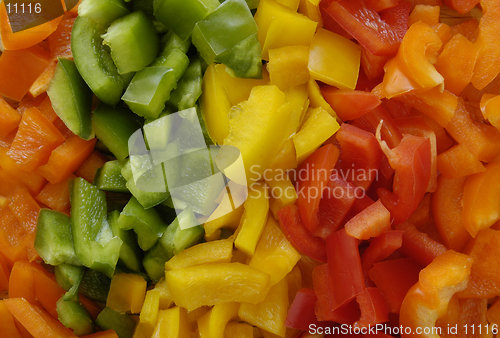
column 428, row 300
column 418, row 53
column 411, row 160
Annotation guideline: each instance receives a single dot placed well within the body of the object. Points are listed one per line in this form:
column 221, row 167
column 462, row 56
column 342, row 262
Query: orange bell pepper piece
column 467, row 29
column 484, row 280
column 480, row 201
column 67, row 158
column 490, row 107
column 417, row 54
column 487, row 67
column 428, row 299
column 20, row 68
column 42, row 82
column 7, row 324
column 56, row 196
column 36, row 320
column 21, row 282
column 34, row 141
column 482, row 139
column 60, row 40
column 26, row 210
column 32, row 180
column 458, row 161
column 89, row 167
column 102, row 334
column 4, row 274
column 9, row 118
column 12, row 237
column 447, row 212
column 456, row 63
column 25, row 38
column 461, row 6
column 425, row 13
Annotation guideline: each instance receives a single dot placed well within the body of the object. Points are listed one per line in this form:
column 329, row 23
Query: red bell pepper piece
column 326, row 309
column 313, row 175
column 302, row 311
column 397, row 17
column 344, row 265
column 338, row 198
column 370, row 222
column 373, row 308
column 366, row 26
column 380, row 248
column 349, row 104
column 300, row 237
column 380, row 5
column 411, row 160
column 419, row 245
column 394, row 278
column 329, row 22
column 360, row 157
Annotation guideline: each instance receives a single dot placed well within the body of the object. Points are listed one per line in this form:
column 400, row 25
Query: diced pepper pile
column 368, row 134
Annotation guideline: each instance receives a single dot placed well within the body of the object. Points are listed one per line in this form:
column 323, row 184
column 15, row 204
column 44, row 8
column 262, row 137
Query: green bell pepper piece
column 130, row 253
column 94, row 62
column 171, row 41
column 133, row 41
column 95, row 245
column 147, row 223
column 114, row 126
column 122, row 323
column 69, row 278
column 95, row 285
column 243, row 59
column 53, row 241
column 73, row 315
column 149, row 90
column 109, row 177
column 188, row 87
column 180, row 16
column 223, row 29
column 103, row 11
column 71, row 98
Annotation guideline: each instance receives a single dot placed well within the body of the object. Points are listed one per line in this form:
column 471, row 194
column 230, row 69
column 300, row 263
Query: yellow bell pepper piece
column 316, row 98
column 274, row 254
column 298, row 97
column 219, row 251
column 238, row 89
column 254, row 131
column 149, row 315
column 254, row 218
column 279, row 26
column 165, row 295
column 276, row 303
column 194, row 315
column 210, row 284
column 286, row 158
column 281, row 193
column 310, row 8
column 316, row 129
column 288, row 66
column 292, row 4
column 215, row 105
column 294, row 279
column 126, row 293
column 240, row 330
column 172, row 323
column 213, row 323
column 239, row 257
column 229, row 220
column 428, row 300
column 334, row 59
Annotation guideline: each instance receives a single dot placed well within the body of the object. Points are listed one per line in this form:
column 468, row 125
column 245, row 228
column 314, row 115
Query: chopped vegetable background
column 250, row 168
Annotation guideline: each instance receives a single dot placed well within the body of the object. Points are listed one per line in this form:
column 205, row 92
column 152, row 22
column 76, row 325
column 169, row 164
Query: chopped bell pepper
column 428, row 300
column 94, row 62
column 172, row 323
column 103, row 12
column 288, row 66
column 334, row 59
column 95, row 245
column 274, row 254
column 222, row 282
column 213, row 323
column 254, row 219
column 370, row 222
column 126, row 293
column 276, row 302
column 219, row 251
